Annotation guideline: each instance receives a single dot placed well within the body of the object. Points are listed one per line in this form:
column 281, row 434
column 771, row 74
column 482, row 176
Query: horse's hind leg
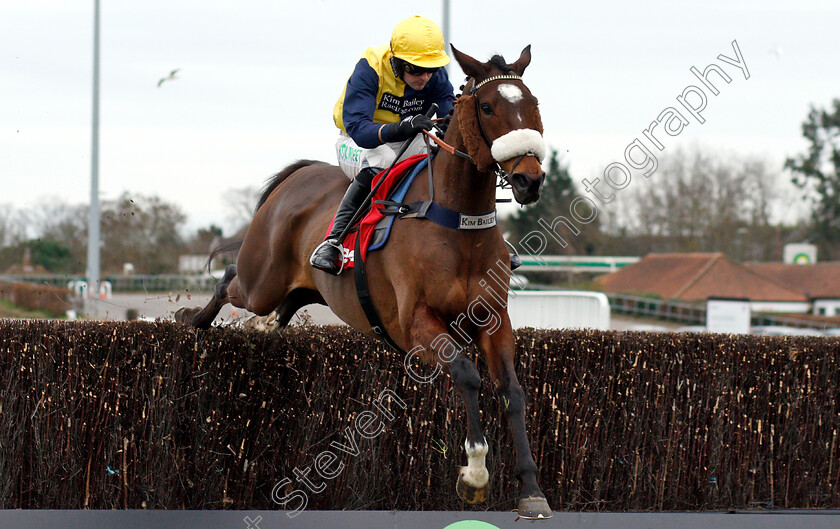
column 202, row 318
column 296, row 299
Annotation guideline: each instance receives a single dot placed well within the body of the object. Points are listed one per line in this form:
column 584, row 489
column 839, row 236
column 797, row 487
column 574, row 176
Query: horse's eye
column 487, row 109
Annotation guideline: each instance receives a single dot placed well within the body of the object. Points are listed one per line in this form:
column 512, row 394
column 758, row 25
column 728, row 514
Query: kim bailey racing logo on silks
column 401, row 106
column 471, row 524
column 477, row 222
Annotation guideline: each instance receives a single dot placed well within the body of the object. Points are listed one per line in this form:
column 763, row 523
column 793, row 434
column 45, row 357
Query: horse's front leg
column 430, row 340
column 473, row 479
column 499, row 350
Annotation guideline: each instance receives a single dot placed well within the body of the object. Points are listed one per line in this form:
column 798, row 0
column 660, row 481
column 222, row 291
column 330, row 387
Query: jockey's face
column 417, row 82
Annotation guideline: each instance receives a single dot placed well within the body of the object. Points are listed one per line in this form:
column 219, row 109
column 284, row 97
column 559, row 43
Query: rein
column 500, row 173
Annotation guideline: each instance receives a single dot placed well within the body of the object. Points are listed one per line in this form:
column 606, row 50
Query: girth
column 416, row 210
column 440, row 215
column 363, row 292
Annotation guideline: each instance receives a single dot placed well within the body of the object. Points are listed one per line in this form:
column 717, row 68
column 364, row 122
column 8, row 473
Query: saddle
column 372, row 231
column 374, row 228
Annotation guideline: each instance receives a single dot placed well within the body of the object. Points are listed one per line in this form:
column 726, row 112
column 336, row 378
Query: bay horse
column 428, row 279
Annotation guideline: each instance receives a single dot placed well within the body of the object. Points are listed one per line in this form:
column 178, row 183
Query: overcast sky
column 258, row 80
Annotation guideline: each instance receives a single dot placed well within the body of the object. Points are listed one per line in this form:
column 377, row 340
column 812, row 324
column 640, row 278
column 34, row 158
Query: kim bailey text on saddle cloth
column 352, row 158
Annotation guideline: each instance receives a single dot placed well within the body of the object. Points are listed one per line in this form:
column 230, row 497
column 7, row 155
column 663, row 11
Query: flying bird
column 171, row 77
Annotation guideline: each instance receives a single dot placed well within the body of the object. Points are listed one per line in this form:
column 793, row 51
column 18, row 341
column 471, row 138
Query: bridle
column 503, row 175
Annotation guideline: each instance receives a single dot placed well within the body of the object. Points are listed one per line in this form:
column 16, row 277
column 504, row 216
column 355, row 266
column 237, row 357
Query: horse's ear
column 470, row 66
column 522, row 62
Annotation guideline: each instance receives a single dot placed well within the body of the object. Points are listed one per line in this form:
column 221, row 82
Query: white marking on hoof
column 511, row 92
column 475, row 473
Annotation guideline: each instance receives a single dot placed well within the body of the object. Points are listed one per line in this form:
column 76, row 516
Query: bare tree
column 63, row 223
column 240, row 204
column 203, row 240
column 142, row 230
column 6, row 212
column 17, row 223
column 699, row 202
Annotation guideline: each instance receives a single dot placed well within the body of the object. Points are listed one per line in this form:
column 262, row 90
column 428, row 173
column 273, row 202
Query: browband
column 494, row 78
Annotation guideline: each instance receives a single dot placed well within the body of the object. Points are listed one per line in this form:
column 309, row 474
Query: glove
column 407, row 128
column 443, row 124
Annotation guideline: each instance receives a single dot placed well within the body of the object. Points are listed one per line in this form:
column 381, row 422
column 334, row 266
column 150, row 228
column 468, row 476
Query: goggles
column 417, row 70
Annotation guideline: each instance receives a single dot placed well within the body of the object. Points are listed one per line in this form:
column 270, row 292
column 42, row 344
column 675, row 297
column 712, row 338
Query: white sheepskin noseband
column 518, row 142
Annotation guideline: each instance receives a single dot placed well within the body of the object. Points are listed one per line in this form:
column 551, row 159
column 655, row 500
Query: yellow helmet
column 419, row 41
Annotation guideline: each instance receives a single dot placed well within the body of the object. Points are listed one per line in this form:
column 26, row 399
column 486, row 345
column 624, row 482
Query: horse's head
column 500, row 122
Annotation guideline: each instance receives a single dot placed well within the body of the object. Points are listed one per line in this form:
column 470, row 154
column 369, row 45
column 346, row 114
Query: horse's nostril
column 540, row 181
column 520, row 181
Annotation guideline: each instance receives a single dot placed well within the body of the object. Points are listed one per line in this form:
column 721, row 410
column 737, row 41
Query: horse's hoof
column 262, row 323
column 470, row 493
column 186, row 315
column 532, row 508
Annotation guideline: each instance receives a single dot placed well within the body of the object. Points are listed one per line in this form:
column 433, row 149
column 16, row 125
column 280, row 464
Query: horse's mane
column 499, row 62
column 274, row 181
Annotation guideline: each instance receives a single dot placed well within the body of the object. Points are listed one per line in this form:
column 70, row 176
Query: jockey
column 383, row 105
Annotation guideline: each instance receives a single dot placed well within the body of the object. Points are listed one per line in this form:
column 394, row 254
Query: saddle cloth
column 374, row 228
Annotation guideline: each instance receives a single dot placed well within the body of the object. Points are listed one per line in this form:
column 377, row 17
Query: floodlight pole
column 93, row 212
column 445, row 28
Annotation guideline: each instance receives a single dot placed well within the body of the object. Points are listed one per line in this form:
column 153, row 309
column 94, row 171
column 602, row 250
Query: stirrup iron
column 335, row 244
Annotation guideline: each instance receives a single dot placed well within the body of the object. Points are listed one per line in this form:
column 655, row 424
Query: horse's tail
column 223, row 248
column 272, row 183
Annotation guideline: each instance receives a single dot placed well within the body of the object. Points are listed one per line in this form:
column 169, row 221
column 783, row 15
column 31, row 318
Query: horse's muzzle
column 527, row 188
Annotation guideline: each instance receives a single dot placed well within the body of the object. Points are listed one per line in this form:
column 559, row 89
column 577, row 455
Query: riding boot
column 515, row 261
column 328, row 255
